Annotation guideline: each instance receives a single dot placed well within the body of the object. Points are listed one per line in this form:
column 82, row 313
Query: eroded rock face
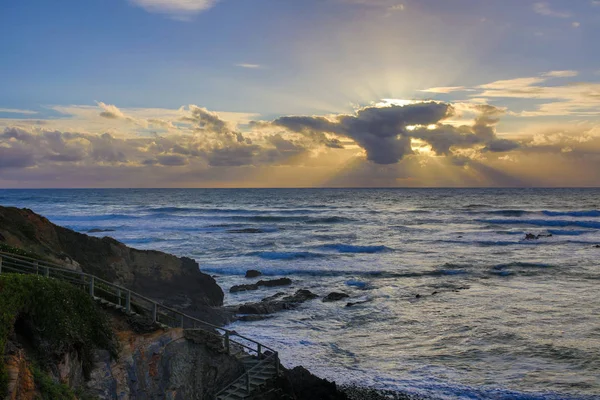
column 21, row 385
column 154, row 274
column 163, row 365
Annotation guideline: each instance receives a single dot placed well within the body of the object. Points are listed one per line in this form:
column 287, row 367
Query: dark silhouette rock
column 335, row 296
column 252, row 273
column 352, row 304
column 306, row 386
column 254, row 317
column 418, row 296
column 275, row 304
column 275, row 282
column 257, row 285
column 531, row 236
column 597, row 246
column 243, row 288
column 97, row 230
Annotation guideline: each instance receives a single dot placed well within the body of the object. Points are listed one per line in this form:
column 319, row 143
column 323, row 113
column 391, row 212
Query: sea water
column 457, row 302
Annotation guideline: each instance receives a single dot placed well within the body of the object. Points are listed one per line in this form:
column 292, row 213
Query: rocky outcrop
column 175, row 281
column 252, row 273
column 335, row 296
column 257, row 285
column 162, row 365
column 275, row 304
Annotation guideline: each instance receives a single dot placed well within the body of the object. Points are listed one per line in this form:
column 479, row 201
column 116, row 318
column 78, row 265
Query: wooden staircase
column 261, row 363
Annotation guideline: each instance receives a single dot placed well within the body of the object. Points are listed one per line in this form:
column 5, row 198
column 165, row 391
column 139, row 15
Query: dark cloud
column 15, row 158
column 172, row 160
column 385, row 133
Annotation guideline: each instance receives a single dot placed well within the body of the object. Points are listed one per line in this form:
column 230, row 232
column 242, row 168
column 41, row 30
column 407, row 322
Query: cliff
column 175, row 281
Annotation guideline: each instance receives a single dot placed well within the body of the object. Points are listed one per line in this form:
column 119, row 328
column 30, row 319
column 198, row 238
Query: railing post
column 155, row 312
column 247, row 382
column 92, row 285
column 277, row 362
column 128, row 302
column 259, row 351
column 0, row 265
column 47, row 272
column 119, row 296
column 227, row 342
column 182, row 320
column 37, row 268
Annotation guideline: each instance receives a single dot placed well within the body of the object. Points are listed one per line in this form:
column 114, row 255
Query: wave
column 561, row 232
column 97, row 217
column 302, row 219
column 520, row 264
column 286, row 255
column 544, row 222
column 588, row 213
column 347, row 248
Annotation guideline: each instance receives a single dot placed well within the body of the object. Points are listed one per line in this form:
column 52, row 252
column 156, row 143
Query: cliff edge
column 174, row 281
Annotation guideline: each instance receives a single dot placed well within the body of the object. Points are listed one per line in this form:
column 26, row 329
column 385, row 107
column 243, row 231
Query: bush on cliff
column 56, row 318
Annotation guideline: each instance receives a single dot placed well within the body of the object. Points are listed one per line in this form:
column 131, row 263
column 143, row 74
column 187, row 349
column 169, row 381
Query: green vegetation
column 59, row 317
column 49, row 389
column 20, row 252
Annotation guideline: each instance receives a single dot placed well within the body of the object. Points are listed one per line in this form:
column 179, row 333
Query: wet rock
column 275, row 296
column 352, row 304
column 273, row 306
column 254, row 317
column 434, row 293
column 243, row 288
column 252, row 273
column 308, row 386
column 597, row 246
column 335, row 296
column 418, row 296
column 275, row 282
column 531, row 236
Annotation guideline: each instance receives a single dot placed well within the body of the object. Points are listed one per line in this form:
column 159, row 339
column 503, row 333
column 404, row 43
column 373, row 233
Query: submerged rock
column 531, row 236
column 274, row 304
column 252, row 273
column 352, row 304
column 335, row 296
column 97, row 230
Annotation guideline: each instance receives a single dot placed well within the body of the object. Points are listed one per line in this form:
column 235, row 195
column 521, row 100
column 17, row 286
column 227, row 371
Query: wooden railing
column 131, row 302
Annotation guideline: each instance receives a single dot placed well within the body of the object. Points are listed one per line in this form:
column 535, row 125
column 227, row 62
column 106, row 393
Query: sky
column 300, row 93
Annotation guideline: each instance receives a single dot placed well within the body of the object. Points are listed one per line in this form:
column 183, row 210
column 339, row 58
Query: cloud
column 561, row 74
column 175, row 8
column 17, row 111
column 110, row 111
column 386, row 132
column 444, row 89
column 249, row 66
column 544, row 8
column 576, row 24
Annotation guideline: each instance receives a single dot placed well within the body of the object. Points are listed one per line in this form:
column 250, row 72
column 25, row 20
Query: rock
column 151, row 273
column 335, row 296
column 597, row 246
column 356, row 303
column 275, row 282
column 254, row 317
column 434, row 293
column 531, row 236
column 418, row 296
column 96, row 230
column 243, row 288
column 257, row 285
column 245, row 230
column 275, row 296
column 273, row 304
column 306, row 386
column 252, row 273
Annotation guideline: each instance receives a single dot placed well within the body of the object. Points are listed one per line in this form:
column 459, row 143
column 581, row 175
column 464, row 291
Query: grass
column 48, row 388
column 60, row 316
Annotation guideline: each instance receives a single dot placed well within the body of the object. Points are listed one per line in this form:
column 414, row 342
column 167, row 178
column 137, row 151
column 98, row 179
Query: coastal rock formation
column 257, row 285
column 252, row 273
column 155, row 274
column 273, row 305
column 161, row 365
column 335, row 296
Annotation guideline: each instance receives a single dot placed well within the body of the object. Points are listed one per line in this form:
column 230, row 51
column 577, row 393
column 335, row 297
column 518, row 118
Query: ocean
column 458, row 302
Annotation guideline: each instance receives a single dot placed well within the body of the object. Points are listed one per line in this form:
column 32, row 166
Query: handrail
column 24, row 264
column 246, row 375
